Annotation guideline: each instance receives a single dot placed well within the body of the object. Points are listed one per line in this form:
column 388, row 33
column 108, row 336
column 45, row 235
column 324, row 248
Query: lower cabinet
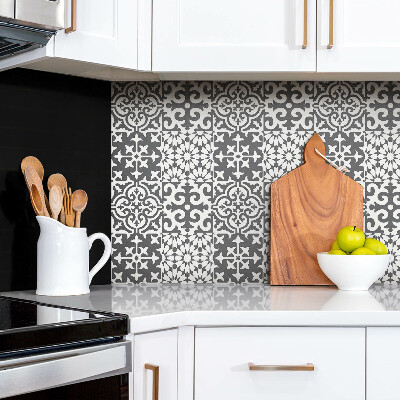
column 223, row 356
column 383, row 353
column 155, row 365
column 257, row 363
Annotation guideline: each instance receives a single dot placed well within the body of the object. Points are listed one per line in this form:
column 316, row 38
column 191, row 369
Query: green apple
column 363, row 251
column 375, row 245
column 335, row 246
column 350, row 238
column 337, row 252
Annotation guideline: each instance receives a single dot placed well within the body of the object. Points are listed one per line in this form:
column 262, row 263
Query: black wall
column 65, row 122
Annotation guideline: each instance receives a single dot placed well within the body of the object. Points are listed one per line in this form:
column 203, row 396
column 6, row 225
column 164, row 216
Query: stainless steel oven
column 58, row 369
column 54, row 352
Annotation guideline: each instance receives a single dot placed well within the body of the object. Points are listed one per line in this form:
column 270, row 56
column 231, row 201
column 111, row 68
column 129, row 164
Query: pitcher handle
column 106, row 254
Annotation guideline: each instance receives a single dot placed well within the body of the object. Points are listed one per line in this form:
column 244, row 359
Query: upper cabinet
column 234, row 35
column 223, row 39
column 104, row 39
column 105, row 33
column 358, row 36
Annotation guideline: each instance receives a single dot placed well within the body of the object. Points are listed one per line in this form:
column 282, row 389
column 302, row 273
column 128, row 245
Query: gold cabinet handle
column 305, row 367
column 155, row 370
column 305, row 26
column 330, row 45
column 72, row 28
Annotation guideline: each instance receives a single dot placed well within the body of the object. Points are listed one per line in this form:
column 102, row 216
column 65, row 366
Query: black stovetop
column 27, row 325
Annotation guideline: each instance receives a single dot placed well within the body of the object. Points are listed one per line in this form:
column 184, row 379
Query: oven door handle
column 30, row 374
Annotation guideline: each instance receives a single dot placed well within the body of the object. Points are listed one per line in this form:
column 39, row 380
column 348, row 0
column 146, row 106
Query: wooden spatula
column 56, row 201
column 33, row 162
column 60, row 181
column 32, row 178
column 36, row 200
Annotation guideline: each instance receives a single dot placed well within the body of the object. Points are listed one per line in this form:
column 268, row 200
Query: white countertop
column 155, row 307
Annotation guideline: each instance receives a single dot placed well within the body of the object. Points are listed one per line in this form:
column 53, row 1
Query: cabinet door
column 159, row 349
column 106, row 33
column 233, row 35
column 383, row 373
column 365, row 36
column 222, row 357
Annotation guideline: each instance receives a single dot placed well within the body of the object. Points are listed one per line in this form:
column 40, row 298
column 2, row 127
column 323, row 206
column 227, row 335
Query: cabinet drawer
column 383, row 353
column 222, row 357
column 159, row 349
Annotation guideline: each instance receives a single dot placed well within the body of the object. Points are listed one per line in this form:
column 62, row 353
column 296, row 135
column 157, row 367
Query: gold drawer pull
column 155, row 370
column 330, row 45
column 305, row 26
column 305, row 367
column 72, row 28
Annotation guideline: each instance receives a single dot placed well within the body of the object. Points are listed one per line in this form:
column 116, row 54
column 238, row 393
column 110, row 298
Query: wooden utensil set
column 62, row 204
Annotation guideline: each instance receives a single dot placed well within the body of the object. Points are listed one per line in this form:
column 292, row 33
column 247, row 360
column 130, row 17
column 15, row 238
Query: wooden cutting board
column 309, row 205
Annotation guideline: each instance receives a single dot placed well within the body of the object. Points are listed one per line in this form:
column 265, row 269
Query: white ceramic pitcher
column 63, row 258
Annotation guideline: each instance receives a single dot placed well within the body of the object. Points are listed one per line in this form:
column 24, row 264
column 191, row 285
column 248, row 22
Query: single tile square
column 137, row 105
column 339, row 106
column 238, row 106
column 187, row 156
column 187, row 106
column 382, row 154
column 136, row 258
column 346, row 148
column 289, row 105
column 239, row 258
column 187, row 258
column 137, row 156
column 238, row 207
column 187, row 208
column 238, row 155
column 381, row 208
column 383, row 106
column 283, row 152
column 136, row 207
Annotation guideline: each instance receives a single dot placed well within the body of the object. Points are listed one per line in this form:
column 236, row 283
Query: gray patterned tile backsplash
column 192, row 164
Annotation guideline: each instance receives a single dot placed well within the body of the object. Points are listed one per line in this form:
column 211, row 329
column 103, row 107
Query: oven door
column 77, row 366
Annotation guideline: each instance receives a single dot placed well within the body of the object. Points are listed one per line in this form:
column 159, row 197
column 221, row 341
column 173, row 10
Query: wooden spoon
column 36, row 200
column 79, row 202
column 32, row 178
column 33, row 162
column 58, row 180
column 56, row 201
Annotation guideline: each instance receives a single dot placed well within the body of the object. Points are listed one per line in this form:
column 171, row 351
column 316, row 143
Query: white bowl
column 353, row 272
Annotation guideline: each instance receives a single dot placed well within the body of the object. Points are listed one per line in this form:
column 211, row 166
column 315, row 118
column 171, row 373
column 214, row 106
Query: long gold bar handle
column 305, row 26
column 305, row 367
column 155, row 370
column 72, row 28
column 330, row 45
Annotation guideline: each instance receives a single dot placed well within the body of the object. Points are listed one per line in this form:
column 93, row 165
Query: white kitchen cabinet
column 382, row 356
column 159, row 349
column 106, row 33
column 112, row 41
column 222, row 357
column 366, row 36
column 233, row 35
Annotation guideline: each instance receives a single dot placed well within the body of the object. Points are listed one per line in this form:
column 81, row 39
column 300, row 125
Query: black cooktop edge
column 26, row 324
